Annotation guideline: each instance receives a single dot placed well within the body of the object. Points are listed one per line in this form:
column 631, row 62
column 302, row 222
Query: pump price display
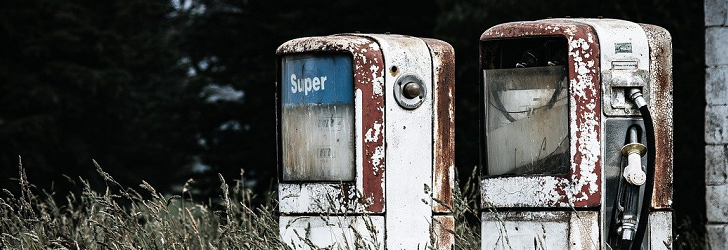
column 317, row 117
column 527, row 121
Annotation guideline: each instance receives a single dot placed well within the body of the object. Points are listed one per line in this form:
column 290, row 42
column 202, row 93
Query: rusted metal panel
column 332, row 232
column 369, row 98
column 442, row 235
column 369, row 79
column 581, row 188
column 540, row 230
column 660, row 104
column 443, row 65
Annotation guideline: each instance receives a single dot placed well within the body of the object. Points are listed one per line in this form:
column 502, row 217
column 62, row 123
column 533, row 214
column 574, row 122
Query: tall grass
column 121, row 217
column 466, row 206
column 124, row 218
column 142, row 218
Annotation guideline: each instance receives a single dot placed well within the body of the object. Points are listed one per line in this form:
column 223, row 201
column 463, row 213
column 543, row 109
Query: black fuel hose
column 625, row 244
column 649, row 182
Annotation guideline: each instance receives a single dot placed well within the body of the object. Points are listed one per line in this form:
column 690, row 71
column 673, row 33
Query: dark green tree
column 82, row 80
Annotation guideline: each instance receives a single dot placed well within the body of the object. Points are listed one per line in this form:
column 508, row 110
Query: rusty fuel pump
column 576, row 135
column 365, row 142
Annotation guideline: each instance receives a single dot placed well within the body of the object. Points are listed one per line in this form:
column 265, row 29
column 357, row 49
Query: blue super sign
column 317, row 79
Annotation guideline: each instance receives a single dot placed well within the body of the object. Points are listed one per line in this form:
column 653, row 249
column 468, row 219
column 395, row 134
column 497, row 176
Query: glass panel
column 527, row 120
column 318, row 118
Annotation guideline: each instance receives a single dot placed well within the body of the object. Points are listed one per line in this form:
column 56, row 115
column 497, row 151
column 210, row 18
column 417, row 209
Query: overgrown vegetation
column 142, row 218
column 466, row 205
column 125, row 218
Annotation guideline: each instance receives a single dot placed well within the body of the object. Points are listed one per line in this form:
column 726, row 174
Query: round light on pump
column 412, row 90
column 409, row 91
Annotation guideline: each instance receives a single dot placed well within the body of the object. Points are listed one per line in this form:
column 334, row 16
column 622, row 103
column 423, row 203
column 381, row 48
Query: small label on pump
column 317, row 80
column 623, row 48
column 624, row 65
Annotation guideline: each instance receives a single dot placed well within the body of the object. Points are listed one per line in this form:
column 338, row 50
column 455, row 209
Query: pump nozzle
column 633, row 172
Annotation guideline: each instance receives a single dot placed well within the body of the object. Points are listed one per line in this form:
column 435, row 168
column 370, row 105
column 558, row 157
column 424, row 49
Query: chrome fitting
column 636, row 95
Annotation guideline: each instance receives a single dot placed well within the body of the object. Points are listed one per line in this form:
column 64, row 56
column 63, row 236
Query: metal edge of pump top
column 592, row 99
column 376, row 157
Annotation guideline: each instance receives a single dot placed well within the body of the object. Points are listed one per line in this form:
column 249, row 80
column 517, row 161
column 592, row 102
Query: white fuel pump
column 569, row 110
column 366, row 142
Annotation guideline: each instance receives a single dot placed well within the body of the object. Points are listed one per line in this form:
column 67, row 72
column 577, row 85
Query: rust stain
column 660, row 43
column 444, row 138
column 442, row 235
column 584, row 78
column 370, row 80
column 582, row 187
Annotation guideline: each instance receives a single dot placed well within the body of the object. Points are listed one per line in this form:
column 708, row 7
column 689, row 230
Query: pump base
column 333, row 232
column 540, row 230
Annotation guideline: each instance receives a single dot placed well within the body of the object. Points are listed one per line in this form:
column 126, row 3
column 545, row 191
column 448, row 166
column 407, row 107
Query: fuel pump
column 365, row 142
column 576, row 135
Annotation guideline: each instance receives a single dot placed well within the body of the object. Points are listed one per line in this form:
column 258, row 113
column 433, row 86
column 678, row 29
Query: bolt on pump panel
column 365, row 141
column 558, row 122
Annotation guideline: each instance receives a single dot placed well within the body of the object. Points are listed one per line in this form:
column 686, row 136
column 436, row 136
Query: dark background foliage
column 162, row 90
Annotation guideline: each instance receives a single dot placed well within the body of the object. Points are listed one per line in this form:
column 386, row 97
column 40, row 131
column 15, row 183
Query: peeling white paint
column 378, row 81
column 520, row 191
column 318, row 198
column 377, row 158
column 373, row 134
column 584, row 124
